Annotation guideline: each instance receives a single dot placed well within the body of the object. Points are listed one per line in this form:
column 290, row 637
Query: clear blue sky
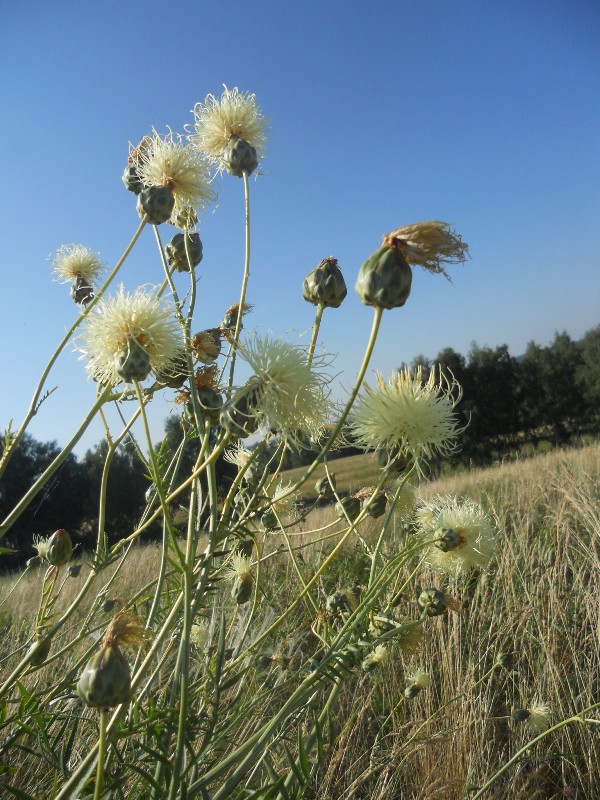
column 484, row 114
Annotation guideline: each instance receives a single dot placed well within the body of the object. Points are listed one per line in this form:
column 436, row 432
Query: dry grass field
column 538, row 605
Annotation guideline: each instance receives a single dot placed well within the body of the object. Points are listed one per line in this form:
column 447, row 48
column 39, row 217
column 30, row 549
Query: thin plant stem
column 245, row 278
column 99, row 784
column 315, row 333
column 575, row 718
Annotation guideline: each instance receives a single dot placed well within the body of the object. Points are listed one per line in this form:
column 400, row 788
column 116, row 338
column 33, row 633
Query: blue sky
column 485, row 115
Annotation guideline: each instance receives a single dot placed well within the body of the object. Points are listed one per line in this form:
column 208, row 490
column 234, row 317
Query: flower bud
column 211, row 403
column 106, row 680
column 59, row 548
column 269, row 520
column 240, row 157
column 384, row 280
column 323, row 486
column 177, row 255
column 520, row 714
column 337, row 602
column 239, row 415
column 393, row 460
column 81, row 291
column 241, row 591
column 74, row 570
column 377, row 506
column 348, row 507
column 39, row 651
column 325, row 285
column 109, row 605
column 206, row 345
column 447, row 540
column 33, row 562
column 132, row 362
column 131, row 179
column 174, row 374
column 230, row 318
column 505, row 660
column 433, row 602
column 155, row 203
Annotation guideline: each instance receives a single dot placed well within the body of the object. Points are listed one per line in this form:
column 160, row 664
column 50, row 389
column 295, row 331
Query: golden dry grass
column 539, row 601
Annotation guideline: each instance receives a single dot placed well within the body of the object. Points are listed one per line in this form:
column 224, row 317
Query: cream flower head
column 283, row 501
column 408, row 415
column 463, row 537
column 72, row 261
column 238, row 455
column 539, row 716
column 137, row 322
column 218, row 121
column 169, row 161
column 292, row 399
column 429, row 244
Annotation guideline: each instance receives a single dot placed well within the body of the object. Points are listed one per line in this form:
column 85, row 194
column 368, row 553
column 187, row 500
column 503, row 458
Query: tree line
column 549, row 393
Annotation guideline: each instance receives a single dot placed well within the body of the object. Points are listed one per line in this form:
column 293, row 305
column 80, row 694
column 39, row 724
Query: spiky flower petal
column 72, row 261
column 462, row 534
column 235, row 115
column 408, row 415
column 283, row 500
column 238, row 455
column 124, row 322
column 375, row 658
column 429, row 244
column 169, row 161
column 291, row 396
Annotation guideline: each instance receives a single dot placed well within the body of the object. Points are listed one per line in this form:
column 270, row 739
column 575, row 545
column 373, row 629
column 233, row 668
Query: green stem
column 238, row 323
column 315, row 333
column 378, row 311
column 99, row 785
column 50, row 470
column 576, row 718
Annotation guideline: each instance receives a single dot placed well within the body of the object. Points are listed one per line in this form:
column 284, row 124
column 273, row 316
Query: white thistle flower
column 419, row 679
column 72, row 261
column 375, row 658
column 283, row 500
column 292, row 396
column 408, row 415
column 217, row 121
column 169, row 161
column 539, row 717
column 238, row 455
column 125, row 319
column 462, row 533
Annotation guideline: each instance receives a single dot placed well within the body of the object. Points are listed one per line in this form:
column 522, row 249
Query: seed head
column 429, row 244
